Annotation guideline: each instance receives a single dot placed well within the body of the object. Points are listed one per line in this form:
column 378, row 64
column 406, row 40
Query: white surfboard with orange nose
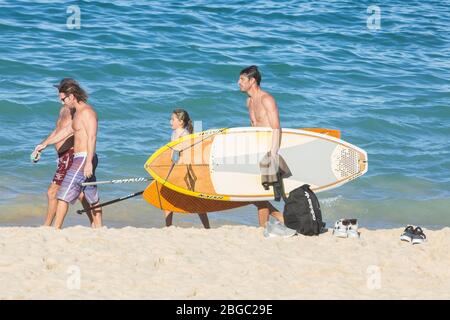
column 223, row 164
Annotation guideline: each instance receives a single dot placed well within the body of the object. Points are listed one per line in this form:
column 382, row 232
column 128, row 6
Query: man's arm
column 50, row 136
column 90, row 124
column 271, row 109
column 55, row 137
column 251, row 113
column 59, row 135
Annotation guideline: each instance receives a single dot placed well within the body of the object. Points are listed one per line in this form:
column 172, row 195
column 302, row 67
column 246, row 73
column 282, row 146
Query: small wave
column 330, row 202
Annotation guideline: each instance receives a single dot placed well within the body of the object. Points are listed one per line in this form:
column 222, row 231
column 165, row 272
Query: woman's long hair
column 183, row 116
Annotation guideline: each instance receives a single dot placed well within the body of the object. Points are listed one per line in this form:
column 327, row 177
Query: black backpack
column 302, row 211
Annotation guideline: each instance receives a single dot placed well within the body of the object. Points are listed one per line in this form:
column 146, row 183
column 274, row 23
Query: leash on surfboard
column 128, row 180
column 100, row 205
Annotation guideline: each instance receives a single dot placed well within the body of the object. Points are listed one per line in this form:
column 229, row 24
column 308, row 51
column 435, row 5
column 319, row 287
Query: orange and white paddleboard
column 223, row 164
column 167, row 199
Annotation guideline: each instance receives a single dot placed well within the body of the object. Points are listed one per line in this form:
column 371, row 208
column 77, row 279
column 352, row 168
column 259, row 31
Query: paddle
column 111, row 202
column 128, row 180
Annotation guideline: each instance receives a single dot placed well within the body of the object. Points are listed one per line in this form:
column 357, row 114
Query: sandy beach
column 229, row 262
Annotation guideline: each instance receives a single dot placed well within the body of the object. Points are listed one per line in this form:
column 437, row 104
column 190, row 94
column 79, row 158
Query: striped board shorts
column 71, row 187
column 63, row 164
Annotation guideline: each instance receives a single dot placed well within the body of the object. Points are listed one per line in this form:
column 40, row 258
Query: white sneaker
column 352, row 228
column 277, row 229
column 340, row 230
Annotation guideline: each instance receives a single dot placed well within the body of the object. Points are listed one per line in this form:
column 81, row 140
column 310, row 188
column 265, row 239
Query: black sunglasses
column 64, row 99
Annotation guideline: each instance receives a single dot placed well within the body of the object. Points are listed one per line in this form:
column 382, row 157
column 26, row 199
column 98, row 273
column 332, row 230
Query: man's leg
column 275, row 213
column 64, row 162
column 263, row 213
column 52, row 204
column 97, row 216
column 61, row 212
column 265, row 208
column 91, row 193
column 86, row 206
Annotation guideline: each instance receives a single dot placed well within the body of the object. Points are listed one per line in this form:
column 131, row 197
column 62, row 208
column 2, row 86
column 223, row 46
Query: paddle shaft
column 100, row 205
column 128, row 180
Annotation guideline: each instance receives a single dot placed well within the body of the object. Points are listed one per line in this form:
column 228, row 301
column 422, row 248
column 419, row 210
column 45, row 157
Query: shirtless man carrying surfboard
column 263, row 112
column 84, row 130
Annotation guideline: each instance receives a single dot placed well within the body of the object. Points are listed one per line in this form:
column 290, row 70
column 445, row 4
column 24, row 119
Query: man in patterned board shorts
column 65, row 150
column 71, row 185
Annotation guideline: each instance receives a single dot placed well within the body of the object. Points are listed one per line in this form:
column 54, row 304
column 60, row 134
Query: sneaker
column 408, row 234
column 352, row 228
column 340, row 229
column 277, row 229
column 419, row 236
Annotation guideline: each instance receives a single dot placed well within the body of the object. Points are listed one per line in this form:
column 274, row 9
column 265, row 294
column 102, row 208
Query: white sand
column 230, row 262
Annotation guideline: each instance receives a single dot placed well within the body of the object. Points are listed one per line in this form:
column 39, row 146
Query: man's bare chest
column 77, row 125
column 257, row 111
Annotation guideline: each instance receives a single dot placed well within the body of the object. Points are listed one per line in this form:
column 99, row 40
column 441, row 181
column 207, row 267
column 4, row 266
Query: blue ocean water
column 385, row 85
